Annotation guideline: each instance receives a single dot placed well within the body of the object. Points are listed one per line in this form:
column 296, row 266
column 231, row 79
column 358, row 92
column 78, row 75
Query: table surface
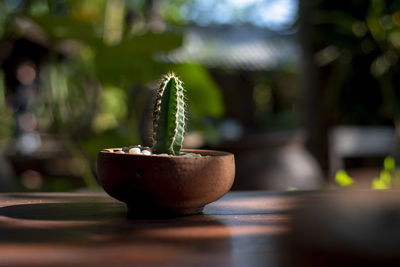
column 92, row 229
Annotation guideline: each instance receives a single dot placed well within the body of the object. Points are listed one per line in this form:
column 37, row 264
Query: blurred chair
column 360, row 142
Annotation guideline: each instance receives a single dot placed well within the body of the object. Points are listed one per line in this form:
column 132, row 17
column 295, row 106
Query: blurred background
column 303, row 92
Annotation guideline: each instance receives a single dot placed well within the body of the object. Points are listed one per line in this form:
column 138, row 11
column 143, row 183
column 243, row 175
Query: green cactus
column 169, row 116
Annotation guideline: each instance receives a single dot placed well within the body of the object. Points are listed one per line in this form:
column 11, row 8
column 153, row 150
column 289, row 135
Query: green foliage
column 169, row 116
column 343, row 179
column 384, row 181
column 173, row 12
column 389, row 164
column 60, row 28
column 6, row 123
column 359, row 44
column 94, row 88
column 113, row 107
column 133, row 59
column 203, row 93
column 389, row 176
column 71, row 109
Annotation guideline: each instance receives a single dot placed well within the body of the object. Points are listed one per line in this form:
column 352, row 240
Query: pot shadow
column 94, row 224
column 99, row 223
column 56, row 222
column 56, row 197
column 154, row 212
column 75, row 211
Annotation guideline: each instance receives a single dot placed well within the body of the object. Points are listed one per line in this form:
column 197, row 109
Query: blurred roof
column 235, row 47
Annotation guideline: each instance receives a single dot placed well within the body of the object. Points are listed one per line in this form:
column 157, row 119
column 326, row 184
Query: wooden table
column 91, row 229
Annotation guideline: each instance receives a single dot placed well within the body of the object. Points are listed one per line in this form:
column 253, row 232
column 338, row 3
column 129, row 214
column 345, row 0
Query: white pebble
column 134, row 150
column 120, row 152
column 146, row 152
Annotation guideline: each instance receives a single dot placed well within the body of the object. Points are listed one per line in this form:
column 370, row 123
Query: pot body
column 166, row 184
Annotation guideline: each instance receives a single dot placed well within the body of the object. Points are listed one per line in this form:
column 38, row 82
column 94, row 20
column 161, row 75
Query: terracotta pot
column 158, row 184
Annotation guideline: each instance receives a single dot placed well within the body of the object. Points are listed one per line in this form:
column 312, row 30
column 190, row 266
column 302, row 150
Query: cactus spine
column 169, row 116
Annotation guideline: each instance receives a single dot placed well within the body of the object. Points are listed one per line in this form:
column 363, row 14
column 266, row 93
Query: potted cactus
column 166, row 179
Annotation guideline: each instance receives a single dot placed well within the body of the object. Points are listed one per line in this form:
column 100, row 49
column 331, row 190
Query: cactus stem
column 169, row 116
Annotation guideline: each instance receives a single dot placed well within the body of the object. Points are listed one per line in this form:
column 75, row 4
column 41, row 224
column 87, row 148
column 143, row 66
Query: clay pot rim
column 203, row 152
